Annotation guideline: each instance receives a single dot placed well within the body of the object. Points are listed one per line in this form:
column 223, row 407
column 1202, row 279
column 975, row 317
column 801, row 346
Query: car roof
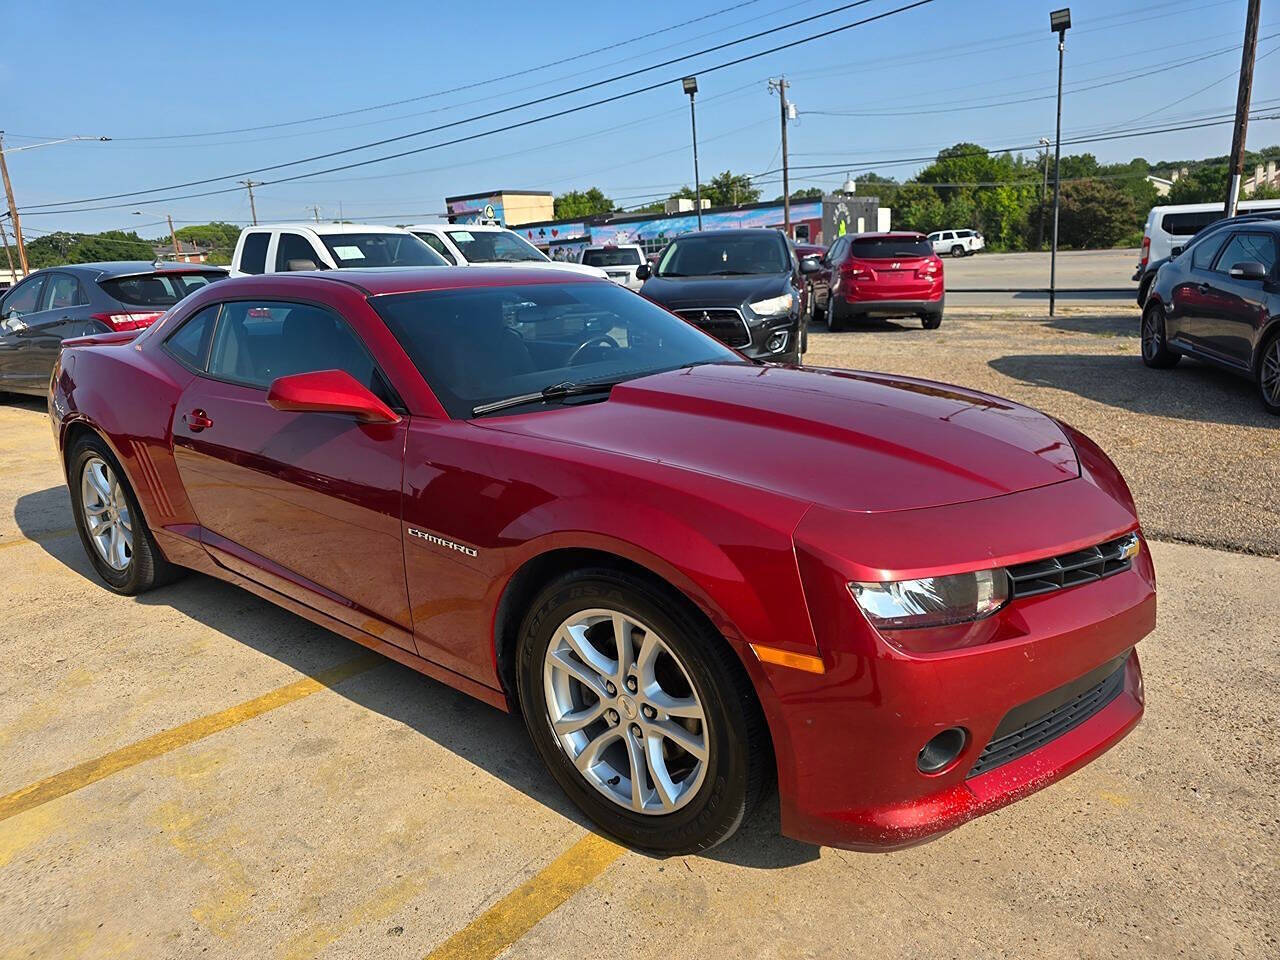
column 106, row 269
column 380, row 281
column 326, row 229
column 891, row 235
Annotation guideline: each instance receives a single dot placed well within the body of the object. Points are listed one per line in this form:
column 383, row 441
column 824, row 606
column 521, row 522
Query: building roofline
column 494, row 193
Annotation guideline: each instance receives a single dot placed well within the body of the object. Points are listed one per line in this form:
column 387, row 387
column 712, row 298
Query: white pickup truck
column 486, row 245
column 282, row 247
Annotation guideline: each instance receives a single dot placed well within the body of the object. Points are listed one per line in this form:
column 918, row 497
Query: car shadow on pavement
column 904, row 325
column 1103, row 325
column 1190, row 391
column 493, row 740
column 35, row 404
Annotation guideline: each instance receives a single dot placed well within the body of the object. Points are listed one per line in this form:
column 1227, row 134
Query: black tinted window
column 1202, row 253
column 190, row 343
column 725, row 254
column 258, row 341
column 157, row 289
column 24, row 297
column 294, row 246
column 479, row 345
column 381, row 250
column 1248, row 248
column 889, row 248
column 611, row 258
column 253, row 255
column 1187, row 224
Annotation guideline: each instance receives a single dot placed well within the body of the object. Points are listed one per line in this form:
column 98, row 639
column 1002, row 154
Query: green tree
column 730, row 189
column 582, row 203
column 218, row 237
column 1094, row 214
column 918, row 207
column 1204, row 184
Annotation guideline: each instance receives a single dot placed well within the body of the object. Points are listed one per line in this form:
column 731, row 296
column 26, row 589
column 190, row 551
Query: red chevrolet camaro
column 689, row 571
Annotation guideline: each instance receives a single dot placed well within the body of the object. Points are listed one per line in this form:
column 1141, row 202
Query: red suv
column 885, row 275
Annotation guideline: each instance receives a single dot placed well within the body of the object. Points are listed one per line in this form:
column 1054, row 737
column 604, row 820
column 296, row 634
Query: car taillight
column 930, row 268
column 1146, row 249
column 857, row 270
column 129, row 321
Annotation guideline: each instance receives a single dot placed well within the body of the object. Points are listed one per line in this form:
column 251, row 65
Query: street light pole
column 1059, row 23
column 1044, row 189
column 690, row 85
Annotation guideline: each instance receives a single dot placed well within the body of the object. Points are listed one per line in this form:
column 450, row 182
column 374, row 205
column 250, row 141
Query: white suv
column 489, row 246
column 620, row 263
column 281, row 247
column 958, row 243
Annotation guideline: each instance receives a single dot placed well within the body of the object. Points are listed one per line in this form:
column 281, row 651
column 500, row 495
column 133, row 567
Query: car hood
column 843, row 439
column 677, row 292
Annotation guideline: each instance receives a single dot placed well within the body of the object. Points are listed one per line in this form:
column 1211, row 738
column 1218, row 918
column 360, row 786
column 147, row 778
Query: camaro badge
column 442, row 542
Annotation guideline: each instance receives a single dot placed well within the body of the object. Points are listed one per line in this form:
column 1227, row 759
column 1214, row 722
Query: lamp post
column 173, row 235
column 1059, row 23
column 690, row 85
column 1044, row 189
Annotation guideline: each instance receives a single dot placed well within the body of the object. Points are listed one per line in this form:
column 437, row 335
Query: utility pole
column 13, row 210
column 253, row 210
column 173, row 235
column 316, row 210
column 1044, row 188
column 1243, row 96
column 4, row 239
column 781, row 86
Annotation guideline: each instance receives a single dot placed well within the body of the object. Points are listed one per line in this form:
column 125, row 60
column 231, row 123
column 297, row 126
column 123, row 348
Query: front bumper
column 752, row 336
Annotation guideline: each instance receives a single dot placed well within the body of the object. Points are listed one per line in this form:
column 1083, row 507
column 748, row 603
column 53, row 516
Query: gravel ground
column 1199, row 452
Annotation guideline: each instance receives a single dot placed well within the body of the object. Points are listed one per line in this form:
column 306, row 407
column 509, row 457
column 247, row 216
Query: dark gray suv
column 57, row 303
column 1219, row 301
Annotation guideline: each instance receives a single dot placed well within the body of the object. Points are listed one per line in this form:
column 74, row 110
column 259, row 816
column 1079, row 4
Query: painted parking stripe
column 515, row 914
column 91, row 771
column 38, row 538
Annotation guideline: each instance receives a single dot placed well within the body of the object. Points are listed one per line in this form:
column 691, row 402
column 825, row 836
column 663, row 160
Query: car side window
column 253, row 255
column 1247, row 247
column 190, row 342
column 294, row 246
column 1202, row 253
column 436, row 244
column 257, row 341
column 61, row 291
column 23, row 298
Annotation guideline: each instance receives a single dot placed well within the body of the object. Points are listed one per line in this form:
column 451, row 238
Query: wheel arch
column 1268, row 336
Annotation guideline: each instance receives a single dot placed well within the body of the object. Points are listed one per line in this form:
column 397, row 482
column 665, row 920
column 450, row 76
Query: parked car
column 1172, row 225
column 1147, row 274
column 621, row 263
column 958, row 243
column 285, row 247
column 688, row 571
column 744, row 287
column 1219, row 301
column 884, row 275
column 486, row 245
column 818, row 282
column 50, row 305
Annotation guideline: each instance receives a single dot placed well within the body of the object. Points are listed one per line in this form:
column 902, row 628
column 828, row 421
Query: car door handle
column 1203, row 287
column 196, row 420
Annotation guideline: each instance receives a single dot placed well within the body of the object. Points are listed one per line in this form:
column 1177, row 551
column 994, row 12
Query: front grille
column 1057, row 721
column 726, row 325
column 1070, row 569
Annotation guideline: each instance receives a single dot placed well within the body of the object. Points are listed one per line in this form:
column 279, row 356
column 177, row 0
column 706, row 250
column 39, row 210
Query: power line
column 512, row 126
column 537, row 101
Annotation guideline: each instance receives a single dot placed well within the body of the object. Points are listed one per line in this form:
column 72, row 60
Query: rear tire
column 1268, row 376
column 627, row 767
column 1155, row 349
column 957, row 251
column 836, row 320
column 931, row 321
column 110, row 523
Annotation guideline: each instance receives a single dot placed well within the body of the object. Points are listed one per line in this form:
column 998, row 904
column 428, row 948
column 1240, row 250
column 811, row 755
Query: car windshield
column 157, row 289
column 480, row 345
column 623, row 257
column 725, row 254
column 381, row 250
column 889, row 248
column 494, row 246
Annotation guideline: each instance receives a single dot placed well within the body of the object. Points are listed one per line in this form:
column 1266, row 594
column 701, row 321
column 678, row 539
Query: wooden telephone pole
column 1243, row 96
column 13, row 210
column 781, row 86
column 253, row 210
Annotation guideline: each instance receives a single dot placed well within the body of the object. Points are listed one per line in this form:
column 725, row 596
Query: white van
column 1173, row 225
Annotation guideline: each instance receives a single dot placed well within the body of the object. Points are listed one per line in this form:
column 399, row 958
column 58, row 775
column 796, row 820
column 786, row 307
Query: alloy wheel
column 106, row 514
column 1150, row 334
column 624, row 711
column 1269, row 376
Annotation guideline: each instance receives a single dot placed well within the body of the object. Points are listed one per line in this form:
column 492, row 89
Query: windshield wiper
column 730, row 273
column 566, row 388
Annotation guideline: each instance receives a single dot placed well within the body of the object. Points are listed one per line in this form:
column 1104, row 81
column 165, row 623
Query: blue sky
column 922, row 80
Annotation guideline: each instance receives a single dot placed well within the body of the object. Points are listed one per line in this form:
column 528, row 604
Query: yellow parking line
column 515, row 914
column 39, row 538
column 91, row 771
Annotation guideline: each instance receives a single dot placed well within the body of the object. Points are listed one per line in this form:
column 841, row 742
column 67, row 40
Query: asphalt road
column 1095, row 277
column 196, row 773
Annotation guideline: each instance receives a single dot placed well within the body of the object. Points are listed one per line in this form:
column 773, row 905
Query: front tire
column 640, row 711
column 1155, row 348
column 110, row 523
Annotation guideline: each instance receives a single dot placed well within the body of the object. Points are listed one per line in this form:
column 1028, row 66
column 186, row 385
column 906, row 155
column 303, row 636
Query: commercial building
column 511, row 208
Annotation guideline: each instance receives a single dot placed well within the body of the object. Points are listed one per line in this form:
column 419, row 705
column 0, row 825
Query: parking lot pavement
column 195, row 773
column 1100, row 278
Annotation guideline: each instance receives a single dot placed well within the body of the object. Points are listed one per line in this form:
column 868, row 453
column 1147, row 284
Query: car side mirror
column 1249, row 270
column 1175, row 251
column 810, row 265
column 302, row 264
column 329, row 391
column 644, row 272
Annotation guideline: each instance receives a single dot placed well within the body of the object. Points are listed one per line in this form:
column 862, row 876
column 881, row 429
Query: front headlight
column 773, row 307
column 932, row 601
